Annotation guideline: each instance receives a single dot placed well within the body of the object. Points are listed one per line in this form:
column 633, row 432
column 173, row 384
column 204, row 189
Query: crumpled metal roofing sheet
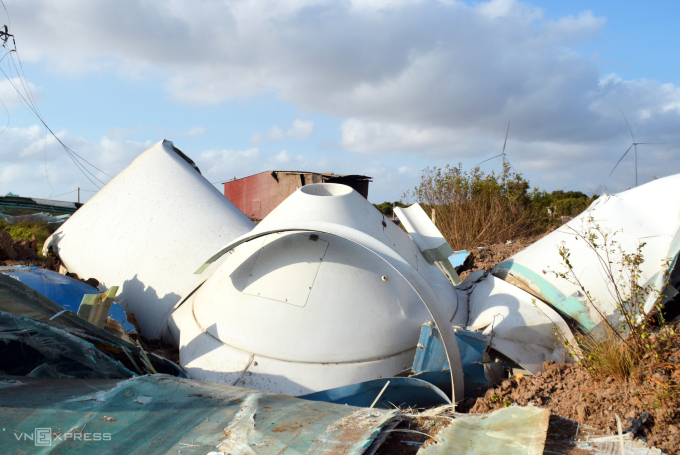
column 164, row 414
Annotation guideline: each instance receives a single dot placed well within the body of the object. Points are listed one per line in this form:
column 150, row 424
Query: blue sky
column 382, row 88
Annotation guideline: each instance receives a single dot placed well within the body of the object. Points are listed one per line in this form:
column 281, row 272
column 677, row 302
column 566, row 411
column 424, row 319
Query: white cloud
column 195, row 131
column 438, row 78
column 41, row 155
column 300, row 129
column 9, row 96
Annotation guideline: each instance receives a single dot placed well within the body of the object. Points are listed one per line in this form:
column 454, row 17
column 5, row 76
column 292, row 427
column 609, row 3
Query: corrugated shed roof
column 324, row 174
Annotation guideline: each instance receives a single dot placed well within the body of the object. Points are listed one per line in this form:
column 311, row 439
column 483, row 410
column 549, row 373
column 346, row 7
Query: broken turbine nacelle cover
column 147, row 230
column 300, row 303
column 648, row 214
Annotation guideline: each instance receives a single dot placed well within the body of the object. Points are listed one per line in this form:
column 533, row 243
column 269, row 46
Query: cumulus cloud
column 45, row 169
column 438, row 78
column 9, row 96
column 300, row 129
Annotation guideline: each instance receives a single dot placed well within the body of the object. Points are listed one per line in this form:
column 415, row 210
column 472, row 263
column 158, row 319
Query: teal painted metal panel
column 165, row 414
column 568, row 306
column 386, row 393
column 430, row 363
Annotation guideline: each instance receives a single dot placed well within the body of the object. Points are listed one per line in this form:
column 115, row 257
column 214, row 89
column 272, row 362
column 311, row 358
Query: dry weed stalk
column 473, row 209
column 633, row 345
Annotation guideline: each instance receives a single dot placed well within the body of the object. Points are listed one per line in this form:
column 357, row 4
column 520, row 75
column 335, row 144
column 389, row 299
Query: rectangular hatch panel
column 286, row 267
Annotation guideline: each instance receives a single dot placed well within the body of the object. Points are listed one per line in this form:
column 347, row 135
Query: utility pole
column 4, row 35
column 78, row 195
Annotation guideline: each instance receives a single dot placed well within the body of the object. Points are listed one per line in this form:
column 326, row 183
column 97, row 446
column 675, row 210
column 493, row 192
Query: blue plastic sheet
column 400, row 392
column 66, row 291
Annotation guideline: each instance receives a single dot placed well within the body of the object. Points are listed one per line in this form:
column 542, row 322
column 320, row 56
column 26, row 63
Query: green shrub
column 474, row 209
column 26, row 229
column 387, row 208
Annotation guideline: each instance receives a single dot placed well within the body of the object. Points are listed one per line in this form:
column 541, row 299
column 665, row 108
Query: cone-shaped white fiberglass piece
column 147, row 230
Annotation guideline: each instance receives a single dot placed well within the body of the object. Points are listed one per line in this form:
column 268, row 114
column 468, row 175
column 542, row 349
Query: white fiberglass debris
column 323, row 293
column 648, row 214
column 147, row 231
column 517, row 324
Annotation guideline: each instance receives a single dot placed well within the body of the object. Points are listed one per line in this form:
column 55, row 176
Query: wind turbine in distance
column 502, row 153
column 633, row 145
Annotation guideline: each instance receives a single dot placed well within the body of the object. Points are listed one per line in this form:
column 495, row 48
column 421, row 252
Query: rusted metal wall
column 259, row 194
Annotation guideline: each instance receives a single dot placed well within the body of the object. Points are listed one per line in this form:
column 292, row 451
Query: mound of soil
column 22, row 252
column 570, row 391
column 488, row 256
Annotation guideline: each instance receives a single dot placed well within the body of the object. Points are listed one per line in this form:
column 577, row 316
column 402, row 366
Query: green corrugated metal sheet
column 165, row 414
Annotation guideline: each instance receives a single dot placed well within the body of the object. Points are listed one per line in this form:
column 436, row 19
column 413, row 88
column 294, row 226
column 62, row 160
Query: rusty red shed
column 259, row 194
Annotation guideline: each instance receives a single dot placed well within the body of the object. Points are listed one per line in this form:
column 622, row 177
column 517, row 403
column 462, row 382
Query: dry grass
column 473, row 209
column 608, row 356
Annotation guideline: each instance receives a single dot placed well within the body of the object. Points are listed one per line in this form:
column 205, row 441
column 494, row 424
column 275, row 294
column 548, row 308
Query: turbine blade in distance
column 617, row 163
column 506, row 138
column 490, row 159
column 628, row 126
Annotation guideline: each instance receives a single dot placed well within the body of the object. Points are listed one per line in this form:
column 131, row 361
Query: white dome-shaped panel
column 326, row 189
column 340, row 204
column 310, row 297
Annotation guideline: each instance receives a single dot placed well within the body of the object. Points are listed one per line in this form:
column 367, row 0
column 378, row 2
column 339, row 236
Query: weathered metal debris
column 37, row 333
column 166, row 414
column 510, row 431
column 66, row 291
column 387, row 393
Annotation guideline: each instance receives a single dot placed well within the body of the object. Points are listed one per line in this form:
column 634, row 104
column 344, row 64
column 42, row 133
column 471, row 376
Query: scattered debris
column 509, row 431
column 68, row 292
column 633, row 217
column 218, row 418
column 39, row 331
column 309, row 281
column 570, row 391
column 328, row 301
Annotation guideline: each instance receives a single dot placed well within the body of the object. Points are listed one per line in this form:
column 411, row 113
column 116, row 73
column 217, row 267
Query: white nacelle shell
column 309, row 301
column 647, row 214
column 147, row 231
column 346, row 311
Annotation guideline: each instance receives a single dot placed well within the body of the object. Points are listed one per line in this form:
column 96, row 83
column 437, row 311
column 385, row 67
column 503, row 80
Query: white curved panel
column 352, row 313
column 147, row 230
column 647, row 214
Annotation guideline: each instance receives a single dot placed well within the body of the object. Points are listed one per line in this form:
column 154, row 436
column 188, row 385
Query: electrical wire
column 63, row 194
column 70, row 152
column 28, row 100
column 47, row 176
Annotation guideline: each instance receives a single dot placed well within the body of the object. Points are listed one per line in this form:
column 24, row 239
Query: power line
column 63, row 194
column 30, row 103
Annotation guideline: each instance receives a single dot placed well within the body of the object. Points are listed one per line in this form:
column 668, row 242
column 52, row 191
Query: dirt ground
column 488, row 256
column 569, row 391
